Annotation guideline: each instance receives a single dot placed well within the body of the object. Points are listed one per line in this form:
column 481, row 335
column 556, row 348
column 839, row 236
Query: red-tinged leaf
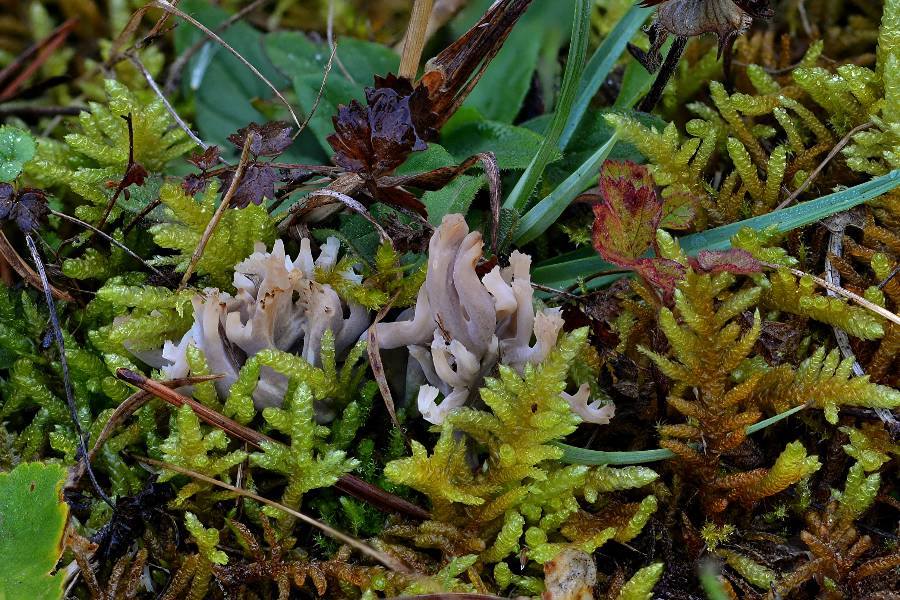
column 207, row 159
column 733, row 260
column 661, row 273
column 257, row 184
column 626, row 219
column 679, row 211
column 135, row 175
column 271, row 139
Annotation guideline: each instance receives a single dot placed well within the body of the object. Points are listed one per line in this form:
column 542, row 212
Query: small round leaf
column 16, row 148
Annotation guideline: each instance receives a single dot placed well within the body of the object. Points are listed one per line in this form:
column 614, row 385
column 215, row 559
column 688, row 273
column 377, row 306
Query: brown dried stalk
column 348, row 484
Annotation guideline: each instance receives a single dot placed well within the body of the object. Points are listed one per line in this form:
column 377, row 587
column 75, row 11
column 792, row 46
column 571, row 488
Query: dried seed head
column 726, row 18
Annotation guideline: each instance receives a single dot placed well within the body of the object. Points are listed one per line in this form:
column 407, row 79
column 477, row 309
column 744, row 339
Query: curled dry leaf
column 257, row 184
column 375, row 139
column 207, row 159
column 271, row 138
column 27, row 209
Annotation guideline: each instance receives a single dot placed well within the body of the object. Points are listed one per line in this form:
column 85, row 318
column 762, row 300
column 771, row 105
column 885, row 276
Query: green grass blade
column 599, row 66
column 518, row 198
column 582, row 456
column 565, row 270
column 537, row 220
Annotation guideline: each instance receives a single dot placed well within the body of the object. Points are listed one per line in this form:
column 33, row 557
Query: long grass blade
column 569, row 268
column 600, row 65
column 520, row 194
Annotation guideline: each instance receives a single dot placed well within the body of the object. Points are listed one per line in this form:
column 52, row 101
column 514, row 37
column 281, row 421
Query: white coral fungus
column 463, row 326
column 277, row 304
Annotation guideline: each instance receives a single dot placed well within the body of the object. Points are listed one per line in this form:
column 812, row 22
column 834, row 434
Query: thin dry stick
column 346, row 483
column 329, row 32
column 170, row 8
column 834, row 152
column 204, row 413
column 414, row 42
column 357, row 207
column 127, row 408
column 315, row 106
column 108, row 238
column 178, row 65
column 220, row 211
column 837, row 225
column 881, row 312
column 27, row 273
column 385, row 559
column 377, row 366
column 159, row 94
column 81, row 453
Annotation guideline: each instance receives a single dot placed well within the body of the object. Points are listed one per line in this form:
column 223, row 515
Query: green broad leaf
column 453, row 198
column 513, row 146
column 567, row 269
column 505, row 83
column 433, row 157
column 593, row 132
column 599, row 66
column 305, row 61
column 537, row 220
column 16, row 148
column 32, row 519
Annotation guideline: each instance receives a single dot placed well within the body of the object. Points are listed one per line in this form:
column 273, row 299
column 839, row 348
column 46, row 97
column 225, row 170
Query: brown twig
column 127, row 408
column 26, row 111
column 378, row 367
column 385, row 559
column 220, row 211
column 346, row 483
column 206, row 414
column 144, row 212
column 44, row 50
column 108, row 238
column 124, row 182
column 26, row 272
column 414, row 42
column 834, row 151
column 881, row 312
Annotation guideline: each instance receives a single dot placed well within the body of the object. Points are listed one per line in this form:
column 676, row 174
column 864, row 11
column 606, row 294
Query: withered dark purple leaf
column 207, row 159
column 7, row 198
column 27, row 209
column 375, row 139
column 257, row 184
column 193, row 184
column 271, row 139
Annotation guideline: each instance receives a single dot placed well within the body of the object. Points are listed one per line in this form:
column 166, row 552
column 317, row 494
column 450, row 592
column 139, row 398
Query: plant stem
column 415, row 38
column 217, row 216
